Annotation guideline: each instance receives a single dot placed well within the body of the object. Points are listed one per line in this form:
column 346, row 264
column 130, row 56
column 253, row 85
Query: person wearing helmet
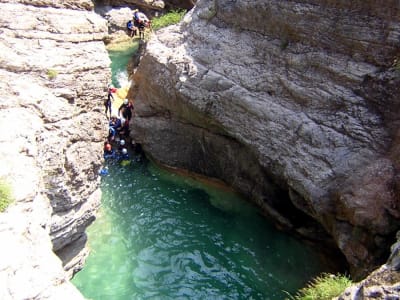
column 108, row 102
column 108, row 151
column 121, row 145
column 124, row 154
column 126, row 108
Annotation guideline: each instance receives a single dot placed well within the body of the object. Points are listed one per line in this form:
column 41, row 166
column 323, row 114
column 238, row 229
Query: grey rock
column 275, row 99
column 54, row 75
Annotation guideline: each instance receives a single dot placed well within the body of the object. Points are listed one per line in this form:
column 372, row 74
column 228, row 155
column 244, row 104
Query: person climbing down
column 108, row 102
column 132, row 30
column 126, row 108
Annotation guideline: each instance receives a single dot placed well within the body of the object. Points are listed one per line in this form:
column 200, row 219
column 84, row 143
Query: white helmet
column 124, row 151
column 122, row 142
column 126, row 101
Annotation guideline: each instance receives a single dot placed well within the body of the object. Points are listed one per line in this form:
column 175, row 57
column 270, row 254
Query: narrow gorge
column 294, row 104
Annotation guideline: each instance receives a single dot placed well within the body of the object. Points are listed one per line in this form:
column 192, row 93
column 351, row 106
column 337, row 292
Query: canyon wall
column 53, row 76
column 293, row 103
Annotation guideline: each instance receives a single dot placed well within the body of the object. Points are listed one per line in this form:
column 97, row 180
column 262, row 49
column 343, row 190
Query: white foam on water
column 122, row 79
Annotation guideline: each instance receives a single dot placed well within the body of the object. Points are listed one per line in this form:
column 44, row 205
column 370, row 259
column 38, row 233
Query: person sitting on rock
column 132, row 30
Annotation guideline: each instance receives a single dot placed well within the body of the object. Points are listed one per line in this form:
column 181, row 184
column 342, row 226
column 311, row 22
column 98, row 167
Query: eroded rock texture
column 150, row 4
column 293, row 103
column 53, row 75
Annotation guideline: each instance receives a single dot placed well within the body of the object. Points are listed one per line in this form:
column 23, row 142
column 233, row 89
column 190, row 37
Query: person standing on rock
column 141, row 22
column 108, row 102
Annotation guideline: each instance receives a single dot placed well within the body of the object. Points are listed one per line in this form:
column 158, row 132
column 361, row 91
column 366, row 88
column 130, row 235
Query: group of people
column 118, row 127
column 138, row 24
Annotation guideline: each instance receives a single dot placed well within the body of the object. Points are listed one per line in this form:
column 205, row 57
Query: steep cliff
column 293, row 103
column 53, row 75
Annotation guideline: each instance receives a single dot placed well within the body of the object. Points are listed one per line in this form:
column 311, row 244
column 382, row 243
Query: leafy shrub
column 169, row 18
column 51, row 73
column 5, row 195
column 324, row 287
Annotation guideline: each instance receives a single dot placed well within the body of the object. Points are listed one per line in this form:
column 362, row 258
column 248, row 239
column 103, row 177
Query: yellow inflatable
column 125, row 162
column 119, row 97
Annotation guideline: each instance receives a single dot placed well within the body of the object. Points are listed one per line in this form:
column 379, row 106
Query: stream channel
column 160, row 235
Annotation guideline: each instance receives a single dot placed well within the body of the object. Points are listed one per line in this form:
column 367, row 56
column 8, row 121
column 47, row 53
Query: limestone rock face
column 53, row 76
column 117, row 18
column 383, row 283
column 185, row 4
column 144, row 4
column 293, row 103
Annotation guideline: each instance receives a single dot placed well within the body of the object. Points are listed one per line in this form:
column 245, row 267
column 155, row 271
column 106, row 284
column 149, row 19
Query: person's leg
column 106, row 108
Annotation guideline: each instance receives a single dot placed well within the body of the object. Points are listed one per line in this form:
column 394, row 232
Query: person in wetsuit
column 108, row 102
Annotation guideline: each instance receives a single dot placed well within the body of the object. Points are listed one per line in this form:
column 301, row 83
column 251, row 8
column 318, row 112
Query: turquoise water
column 119, row 61
column 163, row 236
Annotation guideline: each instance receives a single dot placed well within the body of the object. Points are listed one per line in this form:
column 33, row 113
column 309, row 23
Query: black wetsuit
column 107, row 103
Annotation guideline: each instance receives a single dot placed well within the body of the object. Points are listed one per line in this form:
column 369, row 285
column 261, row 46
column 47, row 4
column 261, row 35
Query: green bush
column 5, row 195
column 51, row 73
column 324, row 287
column 169, row 18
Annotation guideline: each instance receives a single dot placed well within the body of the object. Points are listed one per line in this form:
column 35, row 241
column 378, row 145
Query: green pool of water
column 163, row 236
column 119, row 61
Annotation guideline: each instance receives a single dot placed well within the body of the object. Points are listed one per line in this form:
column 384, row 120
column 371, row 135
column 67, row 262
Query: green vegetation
column 169, row 18
column 51, row 73
column 324, row 287
column 396, row 64
column 5, row 195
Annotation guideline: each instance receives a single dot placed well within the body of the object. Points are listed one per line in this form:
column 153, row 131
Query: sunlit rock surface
column 53, row 76
column 293, row 103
